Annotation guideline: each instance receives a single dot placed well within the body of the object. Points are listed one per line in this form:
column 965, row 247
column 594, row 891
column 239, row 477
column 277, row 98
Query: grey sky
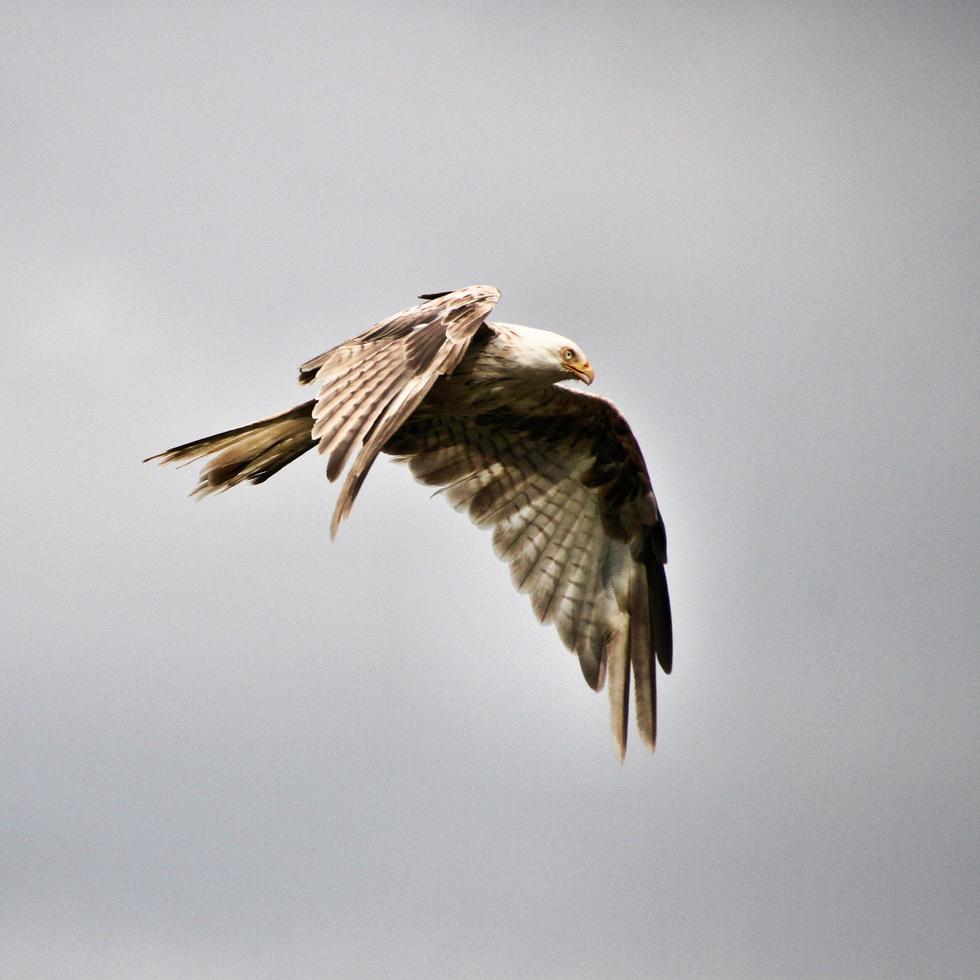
column 233, row 749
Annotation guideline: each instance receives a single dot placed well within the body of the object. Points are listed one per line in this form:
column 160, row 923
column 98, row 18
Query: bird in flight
column 474, row 408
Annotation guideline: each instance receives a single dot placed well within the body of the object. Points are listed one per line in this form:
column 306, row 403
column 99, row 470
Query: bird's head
column 544, row 355
column 574, row 362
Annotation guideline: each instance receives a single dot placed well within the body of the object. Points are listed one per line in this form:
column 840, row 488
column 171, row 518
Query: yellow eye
column 567, row 353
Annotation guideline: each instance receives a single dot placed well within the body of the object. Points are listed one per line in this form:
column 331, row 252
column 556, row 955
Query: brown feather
column 563, row 483
column 556, row 474
column 251, row 452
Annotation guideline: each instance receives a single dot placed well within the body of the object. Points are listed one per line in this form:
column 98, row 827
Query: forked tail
column 252, row 452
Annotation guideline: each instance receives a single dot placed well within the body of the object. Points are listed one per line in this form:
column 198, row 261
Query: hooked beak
column 581, row 370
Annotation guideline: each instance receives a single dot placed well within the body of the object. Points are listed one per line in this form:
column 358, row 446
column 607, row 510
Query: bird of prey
column 474, row 407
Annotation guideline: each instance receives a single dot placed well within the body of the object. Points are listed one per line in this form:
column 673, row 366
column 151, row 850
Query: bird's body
column 473, row 407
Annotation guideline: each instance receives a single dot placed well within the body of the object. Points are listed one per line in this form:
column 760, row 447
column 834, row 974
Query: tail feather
column 251, row 452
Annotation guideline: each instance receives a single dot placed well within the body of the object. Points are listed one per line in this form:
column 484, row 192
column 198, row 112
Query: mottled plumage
column 473, row 407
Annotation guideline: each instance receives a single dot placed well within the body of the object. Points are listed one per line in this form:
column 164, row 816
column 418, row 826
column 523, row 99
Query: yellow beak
column 582, row 370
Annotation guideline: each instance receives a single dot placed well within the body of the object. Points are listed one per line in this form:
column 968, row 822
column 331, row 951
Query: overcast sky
column 233, row 749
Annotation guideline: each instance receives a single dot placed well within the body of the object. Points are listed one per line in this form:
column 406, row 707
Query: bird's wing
column 370, row 385
column 568, row 496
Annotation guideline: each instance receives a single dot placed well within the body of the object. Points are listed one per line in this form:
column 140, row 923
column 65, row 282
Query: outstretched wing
column 566, row 491
column 370, row 385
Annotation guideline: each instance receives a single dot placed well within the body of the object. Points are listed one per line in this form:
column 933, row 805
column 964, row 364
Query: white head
column 543, row 355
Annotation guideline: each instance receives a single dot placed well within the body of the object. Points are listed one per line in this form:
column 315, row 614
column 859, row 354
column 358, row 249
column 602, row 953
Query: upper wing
column 371, row 384
column 567, row 493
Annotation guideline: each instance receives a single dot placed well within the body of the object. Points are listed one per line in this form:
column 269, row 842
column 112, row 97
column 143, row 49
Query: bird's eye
column 567, row 353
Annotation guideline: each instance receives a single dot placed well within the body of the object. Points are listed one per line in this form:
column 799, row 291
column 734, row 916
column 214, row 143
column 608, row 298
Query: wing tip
column 483, row 291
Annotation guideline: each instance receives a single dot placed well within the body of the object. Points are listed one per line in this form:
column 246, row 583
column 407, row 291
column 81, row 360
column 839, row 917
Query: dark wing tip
column 660, row 615
column 468, row 294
